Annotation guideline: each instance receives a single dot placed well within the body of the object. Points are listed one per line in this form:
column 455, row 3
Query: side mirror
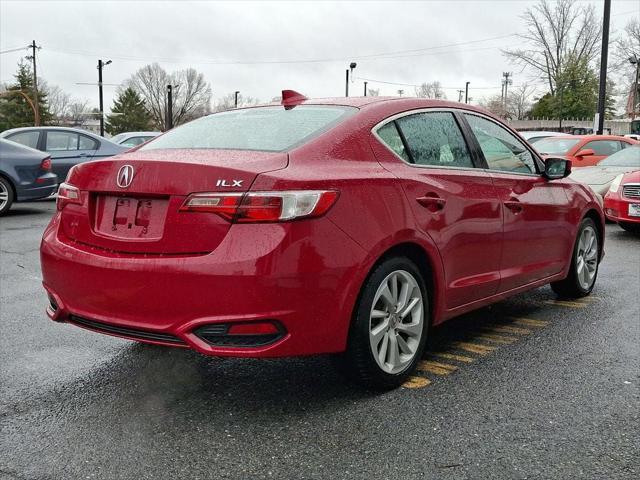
column 587, row 152
column 555, row 168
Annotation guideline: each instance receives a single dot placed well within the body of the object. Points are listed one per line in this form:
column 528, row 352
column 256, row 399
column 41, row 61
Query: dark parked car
column 133, row 139
column 25, row 174
column 67, row 146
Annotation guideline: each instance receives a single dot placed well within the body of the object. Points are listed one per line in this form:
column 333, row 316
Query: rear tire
column 6, row 195
column 584, row 263
column 630, row 227
column 389, row 326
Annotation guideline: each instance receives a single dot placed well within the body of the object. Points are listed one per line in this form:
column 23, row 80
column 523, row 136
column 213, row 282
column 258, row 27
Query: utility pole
column 365, row 88
column 466, row 92
column 169, row 119
column 460, row 92
column 505, row 88
column 235, row 102
column 634, row 60
column 101, row 65
column 602, row 93
column 36, row 103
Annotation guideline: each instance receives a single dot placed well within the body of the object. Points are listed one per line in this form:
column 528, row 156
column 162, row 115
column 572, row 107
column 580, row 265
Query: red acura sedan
column 622, row 201
column 345, row 226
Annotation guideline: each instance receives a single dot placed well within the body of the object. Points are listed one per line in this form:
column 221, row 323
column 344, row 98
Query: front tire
column 584, row 263
column 6, row 196
column 389, row 327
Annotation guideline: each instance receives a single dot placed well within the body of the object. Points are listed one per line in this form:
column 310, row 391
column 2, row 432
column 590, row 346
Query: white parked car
column 534, row 136
column 133, row 139
column 600, row 176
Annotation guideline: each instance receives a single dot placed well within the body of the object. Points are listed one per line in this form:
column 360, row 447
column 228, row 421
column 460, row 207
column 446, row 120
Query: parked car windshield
column 264, row 128
column 629, row 157
column 556, row 145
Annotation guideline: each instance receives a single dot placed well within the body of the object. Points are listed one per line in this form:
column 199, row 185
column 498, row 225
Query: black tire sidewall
column 10, row 201
column 359, row 353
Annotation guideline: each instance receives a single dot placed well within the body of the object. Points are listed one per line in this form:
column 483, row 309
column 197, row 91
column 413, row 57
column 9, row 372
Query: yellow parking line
column 506, row 329
column 475, row 347
column 436, row 368
column 453, row 356
column 416, row 382
column 504, row 339
column 563, row 303
column 530, row 322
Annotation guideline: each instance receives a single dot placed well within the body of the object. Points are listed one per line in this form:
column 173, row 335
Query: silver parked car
column 600, row 176
column 66, row 146
column 534, row 136
column 133, row 139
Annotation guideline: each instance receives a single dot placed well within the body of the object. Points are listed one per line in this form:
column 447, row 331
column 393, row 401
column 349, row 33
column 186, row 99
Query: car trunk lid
column 130, row 203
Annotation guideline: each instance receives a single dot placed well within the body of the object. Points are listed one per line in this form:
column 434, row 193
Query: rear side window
column 391, row 138
column 435, row 139
column 272, row 129
column 29, row 139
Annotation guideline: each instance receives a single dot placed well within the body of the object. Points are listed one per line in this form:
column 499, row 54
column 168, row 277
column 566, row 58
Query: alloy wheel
column 4, row 195
column 396, row 322
column 587, row 257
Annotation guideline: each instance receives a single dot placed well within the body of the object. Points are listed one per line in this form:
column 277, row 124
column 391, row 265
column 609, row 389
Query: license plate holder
column 130, row 217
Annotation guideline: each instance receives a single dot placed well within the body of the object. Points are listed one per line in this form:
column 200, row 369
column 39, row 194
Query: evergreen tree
column 129, row 113
column 15, row 110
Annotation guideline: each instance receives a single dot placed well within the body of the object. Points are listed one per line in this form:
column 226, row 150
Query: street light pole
column 169, row 119
column 466, row 92
column 352, row 65
column 634, row 60
column 235, row 102
column 101, row 65
column 365, row 88
column 602, row 93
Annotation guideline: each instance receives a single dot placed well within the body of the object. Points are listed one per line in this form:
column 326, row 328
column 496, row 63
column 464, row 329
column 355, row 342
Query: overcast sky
column 206, row 35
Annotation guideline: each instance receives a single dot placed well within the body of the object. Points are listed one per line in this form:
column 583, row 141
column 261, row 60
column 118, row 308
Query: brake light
column 256, row 207
column 46, row 164
column 67, row 194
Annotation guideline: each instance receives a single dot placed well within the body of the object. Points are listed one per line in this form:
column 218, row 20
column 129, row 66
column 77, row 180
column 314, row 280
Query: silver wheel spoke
column 393, row 342
column 587, row 257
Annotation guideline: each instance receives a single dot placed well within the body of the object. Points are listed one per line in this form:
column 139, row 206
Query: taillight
column 262, row 206
column 67, row 194
column 46, row 164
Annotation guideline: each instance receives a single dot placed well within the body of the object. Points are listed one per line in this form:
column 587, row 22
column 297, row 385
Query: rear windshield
column 629, row 157
column 272, row 129
column 556, row 145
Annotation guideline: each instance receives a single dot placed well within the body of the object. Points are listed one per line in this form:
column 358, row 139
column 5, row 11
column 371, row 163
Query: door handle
column 514, row 205
column 433, row 204
column 82, row 154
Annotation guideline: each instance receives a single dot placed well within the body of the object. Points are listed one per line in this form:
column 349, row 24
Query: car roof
column 65, row 129
column 133, row 134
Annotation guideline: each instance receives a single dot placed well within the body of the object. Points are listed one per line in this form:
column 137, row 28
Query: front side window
column 434, row 138
column 271, row 129
column 501, row 149
column 61, row 141
column 603, row 147
column 28, row 139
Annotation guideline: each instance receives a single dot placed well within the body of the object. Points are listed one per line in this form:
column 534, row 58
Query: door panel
column 537, row 238
column 457, row 207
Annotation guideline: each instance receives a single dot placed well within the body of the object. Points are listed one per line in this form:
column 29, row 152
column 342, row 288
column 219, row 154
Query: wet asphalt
column 558, row 400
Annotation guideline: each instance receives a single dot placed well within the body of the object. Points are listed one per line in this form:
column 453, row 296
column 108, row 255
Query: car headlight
column 615, row 185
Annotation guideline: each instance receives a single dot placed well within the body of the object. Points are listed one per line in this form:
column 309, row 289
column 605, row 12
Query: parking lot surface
column 530, row 388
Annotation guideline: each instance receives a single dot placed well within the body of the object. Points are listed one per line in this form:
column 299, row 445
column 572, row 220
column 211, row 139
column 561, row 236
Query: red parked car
column 622, row 201
column 583, row 150
column 344, row 226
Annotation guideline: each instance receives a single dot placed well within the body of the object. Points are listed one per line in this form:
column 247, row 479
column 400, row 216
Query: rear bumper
column 44, row 187
column 304, row 275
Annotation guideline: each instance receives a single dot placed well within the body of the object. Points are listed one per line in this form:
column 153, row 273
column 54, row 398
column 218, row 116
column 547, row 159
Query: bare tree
column 556, row 31
column 59, row 103
column 79, row 112
column 191, row 93
column 228, row 102
column 430, row 90
column 625, row 47
column 519, row 101
column 373, row 92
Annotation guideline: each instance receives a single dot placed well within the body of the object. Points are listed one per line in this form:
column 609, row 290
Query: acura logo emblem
column 125, row 176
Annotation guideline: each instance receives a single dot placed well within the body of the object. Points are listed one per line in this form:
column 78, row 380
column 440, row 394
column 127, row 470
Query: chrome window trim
column 393, row 118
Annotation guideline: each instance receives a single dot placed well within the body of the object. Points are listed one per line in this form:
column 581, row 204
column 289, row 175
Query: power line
column 375, row 56
column 14, row 49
